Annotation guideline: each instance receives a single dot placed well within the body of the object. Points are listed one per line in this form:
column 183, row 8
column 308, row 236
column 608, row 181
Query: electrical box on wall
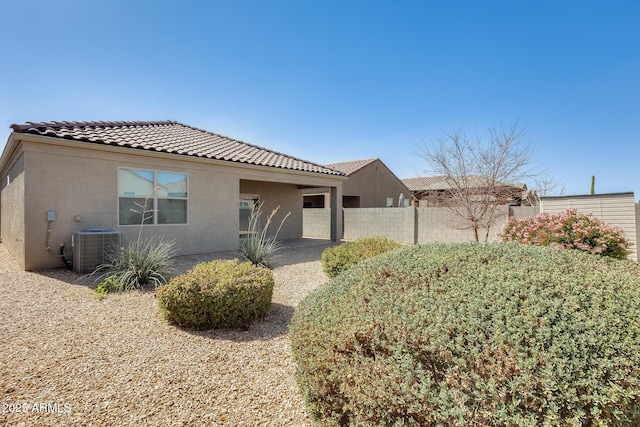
column 51, row 215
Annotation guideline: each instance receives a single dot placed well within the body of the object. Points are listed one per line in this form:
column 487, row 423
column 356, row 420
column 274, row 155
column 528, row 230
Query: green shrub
column 217, row 294
column 142, row 262
column 108, row 284
column 473, row 334
column 341, row 257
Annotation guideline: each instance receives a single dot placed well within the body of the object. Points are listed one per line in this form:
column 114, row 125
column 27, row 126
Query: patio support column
column 336, row 213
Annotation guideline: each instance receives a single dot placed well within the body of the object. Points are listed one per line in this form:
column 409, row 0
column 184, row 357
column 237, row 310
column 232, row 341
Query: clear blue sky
column 332, row 81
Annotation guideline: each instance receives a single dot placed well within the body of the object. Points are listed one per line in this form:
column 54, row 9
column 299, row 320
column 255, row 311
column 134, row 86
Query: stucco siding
column 287, row 196
column 521, row 212
column 78, row 180
column 374, row 183
column 12, row 227
column 82, row 184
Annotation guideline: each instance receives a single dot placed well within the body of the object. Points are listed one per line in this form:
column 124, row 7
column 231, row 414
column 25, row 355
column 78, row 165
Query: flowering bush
column 569, row 230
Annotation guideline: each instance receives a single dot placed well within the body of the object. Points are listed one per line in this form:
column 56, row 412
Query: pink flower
column 568, row 229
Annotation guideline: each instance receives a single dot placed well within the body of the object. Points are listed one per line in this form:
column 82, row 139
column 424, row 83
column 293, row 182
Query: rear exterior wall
column 81, row 186
column 374, row 183
column 287, row 198
column 12, row 194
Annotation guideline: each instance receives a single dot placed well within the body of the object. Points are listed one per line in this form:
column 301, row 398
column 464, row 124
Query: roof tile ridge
column 368, row 160
column 53, row 128
column 256, row 146
column 365, row 162
column 21, row 127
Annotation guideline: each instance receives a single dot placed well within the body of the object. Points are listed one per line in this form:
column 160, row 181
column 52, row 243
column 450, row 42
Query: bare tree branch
column 548, row 186
column 479, row 174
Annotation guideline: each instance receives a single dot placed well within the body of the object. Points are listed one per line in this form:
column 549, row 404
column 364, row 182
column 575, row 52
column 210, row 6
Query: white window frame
column 153, row 198
column 255, row 198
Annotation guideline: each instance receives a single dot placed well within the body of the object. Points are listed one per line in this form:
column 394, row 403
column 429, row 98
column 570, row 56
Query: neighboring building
column 62, row 177
column 435, row 191
column 370, row 184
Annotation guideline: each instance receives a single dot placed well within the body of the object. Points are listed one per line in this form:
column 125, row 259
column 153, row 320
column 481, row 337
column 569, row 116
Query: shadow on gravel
column 293, row 252
column 69, row 276
column 275, row 324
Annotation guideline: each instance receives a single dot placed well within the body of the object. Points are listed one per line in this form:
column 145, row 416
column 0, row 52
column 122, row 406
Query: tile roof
column 425, row 183
column 350, row 167
column 170, row 137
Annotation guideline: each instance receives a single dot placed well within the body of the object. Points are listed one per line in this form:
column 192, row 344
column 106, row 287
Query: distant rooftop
column 170, row 137
column 425, row 183
column 350, row 167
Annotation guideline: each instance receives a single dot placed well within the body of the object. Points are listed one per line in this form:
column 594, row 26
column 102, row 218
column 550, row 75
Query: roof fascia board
column 336, row 166
column 335, row 179
column 589, row 196
column 10, row 148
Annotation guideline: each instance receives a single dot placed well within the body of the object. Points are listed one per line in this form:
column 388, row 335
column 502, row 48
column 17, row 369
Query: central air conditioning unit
column 92, row 246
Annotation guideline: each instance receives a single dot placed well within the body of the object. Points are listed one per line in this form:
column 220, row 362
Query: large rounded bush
column 217, row 294
column 473, row 334
column 341, row 257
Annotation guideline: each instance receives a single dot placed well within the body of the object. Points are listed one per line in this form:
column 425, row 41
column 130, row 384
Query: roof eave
column 53, row 130
column 9, row 149
column 73, row 143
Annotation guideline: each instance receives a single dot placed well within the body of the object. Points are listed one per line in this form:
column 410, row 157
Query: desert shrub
column 108, row 284
column 217, row 294
column 259, row 247
column 473, row 334
column 141, row 262
column 341, row 257
column 568, row 230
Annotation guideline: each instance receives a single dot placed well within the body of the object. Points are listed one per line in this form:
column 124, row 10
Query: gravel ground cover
column 68, row 358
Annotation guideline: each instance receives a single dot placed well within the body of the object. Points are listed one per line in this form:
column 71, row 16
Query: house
column 62, row 177
column 433, row 191
column 370, row 184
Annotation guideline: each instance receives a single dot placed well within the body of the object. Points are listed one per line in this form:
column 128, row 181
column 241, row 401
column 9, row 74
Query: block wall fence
column 413, row 225
column 409, row 225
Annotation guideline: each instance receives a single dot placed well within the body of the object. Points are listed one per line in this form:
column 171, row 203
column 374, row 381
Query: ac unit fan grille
column 92, row 248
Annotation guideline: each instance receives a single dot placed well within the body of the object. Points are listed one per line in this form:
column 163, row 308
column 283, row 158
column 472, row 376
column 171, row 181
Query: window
column 165, row 193
column 248, row 202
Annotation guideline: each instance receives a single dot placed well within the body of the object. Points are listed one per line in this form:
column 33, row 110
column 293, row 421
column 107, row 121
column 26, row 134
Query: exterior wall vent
column 91, row 248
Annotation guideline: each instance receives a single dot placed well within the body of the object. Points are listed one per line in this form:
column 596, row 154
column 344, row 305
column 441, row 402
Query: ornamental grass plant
column 141, row 262
column 259, row 246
